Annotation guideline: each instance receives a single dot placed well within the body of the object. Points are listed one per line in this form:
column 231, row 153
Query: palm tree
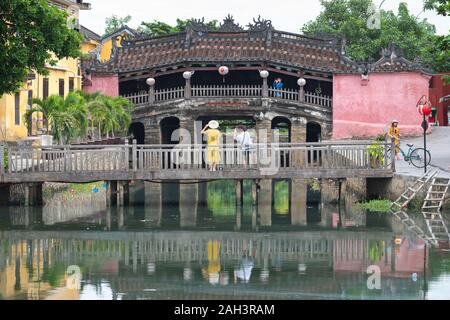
column 45, row 107
column 110, row 114
column 75, row 105
column 123, row 110
column 69, row 118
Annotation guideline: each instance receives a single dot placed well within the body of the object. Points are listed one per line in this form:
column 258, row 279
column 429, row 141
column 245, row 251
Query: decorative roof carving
column 229, row 25
column 198, row 25
column 260, row 24
column 392, row 60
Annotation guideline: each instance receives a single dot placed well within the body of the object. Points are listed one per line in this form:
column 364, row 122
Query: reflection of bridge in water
column 133, row 262
column 141, row 247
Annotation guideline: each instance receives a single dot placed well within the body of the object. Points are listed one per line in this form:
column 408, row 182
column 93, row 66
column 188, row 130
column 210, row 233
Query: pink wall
column 107, row 84
column 366, row 110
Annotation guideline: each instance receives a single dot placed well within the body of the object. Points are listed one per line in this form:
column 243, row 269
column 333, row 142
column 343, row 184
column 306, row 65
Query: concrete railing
column 126, row 160
column 228, row 91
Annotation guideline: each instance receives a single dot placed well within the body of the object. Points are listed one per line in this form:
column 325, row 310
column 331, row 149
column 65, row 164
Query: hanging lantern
column 264, row 74
column 301, row 82
column 223, row 70
column 187, row 75
column 424, row 106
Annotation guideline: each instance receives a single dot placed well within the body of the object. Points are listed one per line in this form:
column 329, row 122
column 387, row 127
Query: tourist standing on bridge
column 278, row 85
column 394, row 134
column 244, row 140
column 213, row 139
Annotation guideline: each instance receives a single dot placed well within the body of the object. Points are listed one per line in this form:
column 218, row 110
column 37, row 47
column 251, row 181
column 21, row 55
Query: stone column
column 265, row 202
column 298, row 135
column 26, row 195
column 239, row 203
column 264, row 157
column 126, row 193
column 120, row 194
column 111, row 193
column 108, row 219
column 189, row 125
column 263, row 128
column 255, row 221
column 153, row 204
column 152, row 131
column 120, row 218
column 329, row 191
column 299, row 208
column 187, row 137
column 188, row 205
column 327, row 131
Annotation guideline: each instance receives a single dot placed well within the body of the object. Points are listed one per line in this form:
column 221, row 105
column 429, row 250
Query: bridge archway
column 313, row 132
column 137, row 129
column 284, row 126
column 168, row 126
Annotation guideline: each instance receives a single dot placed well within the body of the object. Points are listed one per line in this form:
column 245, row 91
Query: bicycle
column 414, row 156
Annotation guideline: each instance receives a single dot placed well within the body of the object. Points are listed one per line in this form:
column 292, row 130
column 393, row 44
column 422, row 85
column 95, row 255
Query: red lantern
column 424, row 106
column 223, row 71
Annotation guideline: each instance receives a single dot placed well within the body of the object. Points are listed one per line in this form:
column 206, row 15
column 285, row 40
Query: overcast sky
column 286, row 15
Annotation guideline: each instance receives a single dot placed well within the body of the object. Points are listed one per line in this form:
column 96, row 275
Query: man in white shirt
column 244, row 140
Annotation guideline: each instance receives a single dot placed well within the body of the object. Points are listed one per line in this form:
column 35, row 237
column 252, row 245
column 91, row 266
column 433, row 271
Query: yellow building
column 63, row 78
column 91, row 40
column 103, row 47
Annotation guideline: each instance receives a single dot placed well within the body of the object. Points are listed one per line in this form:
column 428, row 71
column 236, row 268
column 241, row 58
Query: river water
column 194, row 243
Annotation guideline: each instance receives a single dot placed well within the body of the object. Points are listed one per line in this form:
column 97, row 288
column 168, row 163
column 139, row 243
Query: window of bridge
column 168, row 126
column 313, row 132
column 283, row 125
column 137, row 130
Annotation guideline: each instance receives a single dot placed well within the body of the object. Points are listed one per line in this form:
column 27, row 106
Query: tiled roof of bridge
column 240, row 47
column 261, row 43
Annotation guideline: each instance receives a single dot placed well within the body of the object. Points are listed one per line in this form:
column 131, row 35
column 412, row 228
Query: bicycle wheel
column 417, row 158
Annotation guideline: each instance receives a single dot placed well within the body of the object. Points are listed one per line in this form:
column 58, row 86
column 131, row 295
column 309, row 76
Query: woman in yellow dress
column 213, row 137
column 394, row 134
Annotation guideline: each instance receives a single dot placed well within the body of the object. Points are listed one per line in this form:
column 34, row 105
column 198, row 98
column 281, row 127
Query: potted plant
column 377, row 152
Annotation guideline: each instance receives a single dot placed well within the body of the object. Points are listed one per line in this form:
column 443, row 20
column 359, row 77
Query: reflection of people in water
column 211, row 272
column 243, row 271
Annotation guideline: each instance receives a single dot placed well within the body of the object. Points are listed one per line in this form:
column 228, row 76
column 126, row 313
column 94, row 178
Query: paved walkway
column 438, row 143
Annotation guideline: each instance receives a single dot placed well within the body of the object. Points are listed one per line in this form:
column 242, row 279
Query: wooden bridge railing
column 224, row 91
column 123, row 158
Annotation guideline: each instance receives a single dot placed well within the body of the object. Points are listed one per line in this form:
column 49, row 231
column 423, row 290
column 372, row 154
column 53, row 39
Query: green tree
column 439, row 48
column 441, row 6
column 69, row 119
column 33, row 33
column 158, row 28
column 64, row 118
column 95, row 108
column 107, row 114
column 349, row 18
column 43, row 107
column 115, row 22
column 111, row 114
